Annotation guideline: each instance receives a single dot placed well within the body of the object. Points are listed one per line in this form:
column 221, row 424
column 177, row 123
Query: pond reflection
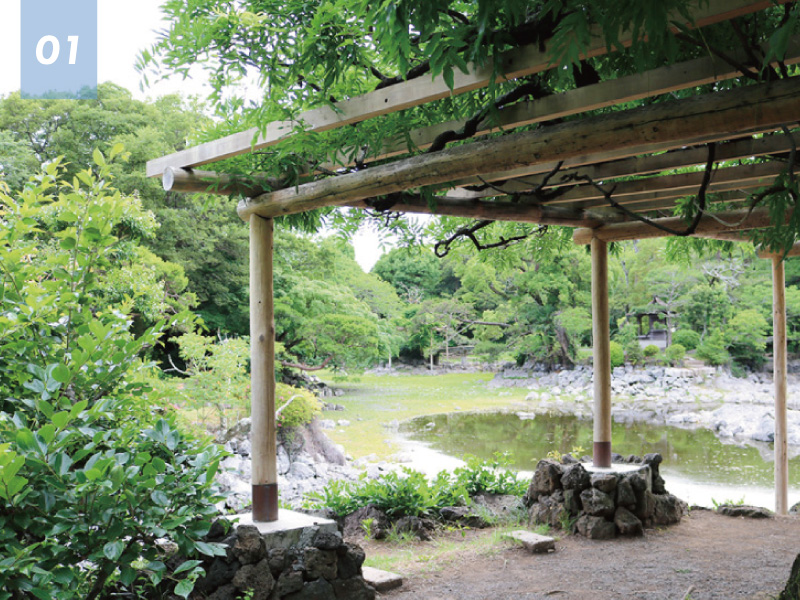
column 693, row 458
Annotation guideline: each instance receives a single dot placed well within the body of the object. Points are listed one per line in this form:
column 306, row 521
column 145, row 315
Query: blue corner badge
column 59, row 48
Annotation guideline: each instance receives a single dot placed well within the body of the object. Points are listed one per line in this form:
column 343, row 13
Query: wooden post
column 779, row 375
column 602, row 355
column 262, row 372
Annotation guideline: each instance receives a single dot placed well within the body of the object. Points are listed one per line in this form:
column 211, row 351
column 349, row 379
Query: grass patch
column 373, row 401
column 412, row 556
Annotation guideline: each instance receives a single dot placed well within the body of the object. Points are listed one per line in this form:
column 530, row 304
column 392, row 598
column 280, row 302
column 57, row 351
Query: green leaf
column 184, row 588
column 61, row 373
column 187, row 566
column 113, row 550
column 61, row 419
column 160, row 498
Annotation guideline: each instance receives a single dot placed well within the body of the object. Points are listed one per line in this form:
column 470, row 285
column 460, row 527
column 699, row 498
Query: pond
column 697, row 467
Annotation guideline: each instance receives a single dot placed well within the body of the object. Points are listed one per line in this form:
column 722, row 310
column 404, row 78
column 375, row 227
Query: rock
column 327, row 424
column 354, row 588
column 314, row 590
column 625, row 495
column 249, row 546
column 575, row 477
column 645, row 505
column 382, row 581
column 301, row 471
column 533, row 542
column 218, row 574
column 597, row 503
column 289, row 582
column 751, row 512
column 462, row 515
column 378, row 523
column 667, row 509
column 605, row 482
column 343, row 423
column 320, row 563
column 277, row 561
column 415, row 526
column 627, row 523
column 572, row 502
column 499, row 505
column 255, row 578
column 226, row 592
column 792, row 589
column 327, row 540
column 546, row 480
column 596, row 528
column 351, row 557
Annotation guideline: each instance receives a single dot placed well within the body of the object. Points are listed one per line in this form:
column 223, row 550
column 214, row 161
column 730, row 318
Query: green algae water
column 698, row 467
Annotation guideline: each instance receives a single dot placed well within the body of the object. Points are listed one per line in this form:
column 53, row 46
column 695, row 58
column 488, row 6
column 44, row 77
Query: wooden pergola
column 585, row 156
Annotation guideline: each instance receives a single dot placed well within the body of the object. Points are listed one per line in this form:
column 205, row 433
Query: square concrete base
column 292, row 529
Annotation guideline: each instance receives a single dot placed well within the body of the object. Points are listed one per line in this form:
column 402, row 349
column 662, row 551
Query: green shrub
column 675, row 354
column 93, row 469
column 746, row 338
column 617, row 355
column 651, row 350
column 633, row 353
column 712, row 349
column 295, row 407
column 687, row 338
column 410, row 493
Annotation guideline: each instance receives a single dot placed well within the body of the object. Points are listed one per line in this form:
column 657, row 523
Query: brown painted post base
column 602, row 454
column 265, row 502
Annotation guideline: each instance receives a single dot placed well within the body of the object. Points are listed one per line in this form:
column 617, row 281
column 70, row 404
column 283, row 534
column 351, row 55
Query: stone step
column 382, row 581
column 533, row 542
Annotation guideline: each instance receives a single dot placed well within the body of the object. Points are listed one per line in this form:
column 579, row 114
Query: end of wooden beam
column 583, row 236
column 793, row 251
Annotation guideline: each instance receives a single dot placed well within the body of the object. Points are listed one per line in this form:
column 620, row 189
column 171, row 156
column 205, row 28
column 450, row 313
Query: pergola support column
column 779, row 376
column 602, row 355
column 262, row 372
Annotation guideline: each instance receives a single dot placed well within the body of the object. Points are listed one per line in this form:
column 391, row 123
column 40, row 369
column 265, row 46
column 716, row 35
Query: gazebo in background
column 635, row 145
column 656, row 312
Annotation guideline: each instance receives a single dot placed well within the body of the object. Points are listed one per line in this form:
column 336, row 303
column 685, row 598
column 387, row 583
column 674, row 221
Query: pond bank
column 740, row 409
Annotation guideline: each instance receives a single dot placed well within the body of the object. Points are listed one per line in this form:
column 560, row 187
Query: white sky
column 124, row 28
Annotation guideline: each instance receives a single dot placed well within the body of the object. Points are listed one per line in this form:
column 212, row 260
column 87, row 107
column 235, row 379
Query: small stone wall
column 323, row 567
column 602, row 503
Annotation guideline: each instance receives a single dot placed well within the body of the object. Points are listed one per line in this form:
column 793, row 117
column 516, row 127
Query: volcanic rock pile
column 602, row 503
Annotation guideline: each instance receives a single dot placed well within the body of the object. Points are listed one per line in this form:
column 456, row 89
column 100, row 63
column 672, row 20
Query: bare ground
column 705, row 556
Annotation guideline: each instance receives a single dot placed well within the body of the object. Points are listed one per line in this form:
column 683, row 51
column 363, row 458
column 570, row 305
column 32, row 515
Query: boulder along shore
column 736, row 409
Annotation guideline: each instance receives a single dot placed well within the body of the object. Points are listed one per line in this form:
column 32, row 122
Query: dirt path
column 705, row 556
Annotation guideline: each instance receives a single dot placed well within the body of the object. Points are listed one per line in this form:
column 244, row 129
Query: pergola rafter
column 560, row 173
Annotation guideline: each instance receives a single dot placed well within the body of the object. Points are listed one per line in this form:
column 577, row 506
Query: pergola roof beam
column 650, row 164
column 758, row 106
column 629, row 88
column 520, row 62
column 726, row 221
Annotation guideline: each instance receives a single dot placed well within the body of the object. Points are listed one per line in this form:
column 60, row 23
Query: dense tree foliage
column 92, row 467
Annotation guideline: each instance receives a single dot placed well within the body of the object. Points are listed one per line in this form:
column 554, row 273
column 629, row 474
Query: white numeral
column 73, row 49
column 55, row 50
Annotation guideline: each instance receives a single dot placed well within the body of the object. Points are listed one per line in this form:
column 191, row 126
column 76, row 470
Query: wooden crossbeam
column 757, row 106
column 590, row 158
column 501, row 211
column 630, row 88
column 517, row 63
column 679, row 185
column 649, row 164
column 726, row 221
column 793, row 251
